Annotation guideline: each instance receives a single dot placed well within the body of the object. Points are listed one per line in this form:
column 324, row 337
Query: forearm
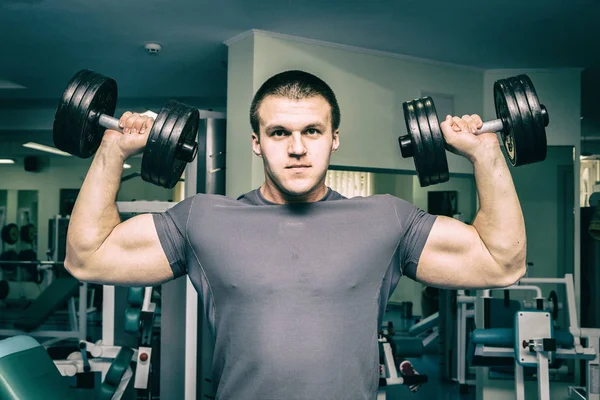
column 499, row 221
column 95, row 212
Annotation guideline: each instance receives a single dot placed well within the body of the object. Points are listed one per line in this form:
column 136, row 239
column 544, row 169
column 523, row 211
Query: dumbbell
column 86, row 109
column 521, row 121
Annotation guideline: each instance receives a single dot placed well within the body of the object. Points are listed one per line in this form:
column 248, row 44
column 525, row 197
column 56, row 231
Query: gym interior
column 539, row 338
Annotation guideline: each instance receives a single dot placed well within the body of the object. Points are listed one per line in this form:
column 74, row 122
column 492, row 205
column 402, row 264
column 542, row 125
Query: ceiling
column 45, row 42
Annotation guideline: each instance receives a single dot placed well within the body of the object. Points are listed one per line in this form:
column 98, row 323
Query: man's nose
column 296, row 147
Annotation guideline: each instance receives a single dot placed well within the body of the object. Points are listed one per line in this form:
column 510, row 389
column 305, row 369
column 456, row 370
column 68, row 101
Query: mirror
column 19, row 214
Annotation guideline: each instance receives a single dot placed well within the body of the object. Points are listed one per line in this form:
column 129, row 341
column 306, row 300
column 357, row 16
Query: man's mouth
column 300, row 166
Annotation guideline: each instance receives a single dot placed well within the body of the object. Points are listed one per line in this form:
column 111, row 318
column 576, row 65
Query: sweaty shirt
column 294, row 294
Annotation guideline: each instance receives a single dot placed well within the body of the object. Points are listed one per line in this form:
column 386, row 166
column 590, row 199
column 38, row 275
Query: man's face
column 295, row 142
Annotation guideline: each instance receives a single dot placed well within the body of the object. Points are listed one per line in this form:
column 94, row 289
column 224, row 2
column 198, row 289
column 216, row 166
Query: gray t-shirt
column 294, row 294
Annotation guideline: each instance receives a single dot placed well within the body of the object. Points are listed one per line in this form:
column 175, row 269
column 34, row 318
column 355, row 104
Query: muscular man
column 294, row 277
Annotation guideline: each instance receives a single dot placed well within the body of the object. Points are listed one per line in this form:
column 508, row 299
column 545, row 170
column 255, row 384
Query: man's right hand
column 136, row 128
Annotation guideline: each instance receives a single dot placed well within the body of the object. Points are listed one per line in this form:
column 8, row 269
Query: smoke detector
column 153, row 48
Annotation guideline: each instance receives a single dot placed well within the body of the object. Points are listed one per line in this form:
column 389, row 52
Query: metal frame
column 462, row 314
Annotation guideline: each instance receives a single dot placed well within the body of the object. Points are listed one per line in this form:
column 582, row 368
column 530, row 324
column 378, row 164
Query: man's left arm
column 491, row 252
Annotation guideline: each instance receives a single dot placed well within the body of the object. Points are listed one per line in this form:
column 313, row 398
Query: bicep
column 132, row 255
column 454, row 256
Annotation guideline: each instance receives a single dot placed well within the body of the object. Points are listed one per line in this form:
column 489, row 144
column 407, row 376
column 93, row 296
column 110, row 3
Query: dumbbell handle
column 495, row 125
column 109, row 122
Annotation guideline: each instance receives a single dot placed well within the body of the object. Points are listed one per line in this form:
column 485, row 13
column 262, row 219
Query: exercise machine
column 533, row 341
column 389, row 354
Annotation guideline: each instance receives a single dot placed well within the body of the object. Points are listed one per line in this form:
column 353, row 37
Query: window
column 350, row 183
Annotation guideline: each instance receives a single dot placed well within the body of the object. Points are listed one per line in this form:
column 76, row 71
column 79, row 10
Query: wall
column 370, row 88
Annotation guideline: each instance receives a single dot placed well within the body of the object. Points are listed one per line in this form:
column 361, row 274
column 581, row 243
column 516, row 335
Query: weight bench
column 28, row 372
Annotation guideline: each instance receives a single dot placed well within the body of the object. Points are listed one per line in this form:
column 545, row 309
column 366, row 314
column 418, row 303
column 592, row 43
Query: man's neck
column 274, row 195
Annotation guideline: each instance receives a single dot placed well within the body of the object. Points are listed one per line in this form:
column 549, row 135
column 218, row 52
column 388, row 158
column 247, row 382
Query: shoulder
column 203, row 200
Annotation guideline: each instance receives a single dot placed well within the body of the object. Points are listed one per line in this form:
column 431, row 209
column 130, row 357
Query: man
column 294, row 278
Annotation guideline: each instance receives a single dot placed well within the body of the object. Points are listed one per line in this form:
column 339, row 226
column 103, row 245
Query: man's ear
column 256, row 145
column 336, row 141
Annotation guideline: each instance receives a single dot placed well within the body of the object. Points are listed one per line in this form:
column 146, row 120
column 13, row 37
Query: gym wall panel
column 370, row 89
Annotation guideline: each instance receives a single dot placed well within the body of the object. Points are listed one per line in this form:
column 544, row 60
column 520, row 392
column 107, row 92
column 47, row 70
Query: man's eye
column 279, row 133
column 312, row 131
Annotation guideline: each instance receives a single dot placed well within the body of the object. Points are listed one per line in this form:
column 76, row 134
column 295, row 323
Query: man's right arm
column 100, row 248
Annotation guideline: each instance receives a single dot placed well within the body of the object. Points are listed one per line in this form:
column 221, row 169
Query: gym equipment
column 31, row 319
column 389, row 372
column 33, row 274
column 521, row 121
column 9, row 256
column 534, row 340
column 28, row 233
column 28, row 372
column 10, row 233
column 594, row 225
column 86, row 108
column 119, row 374
column 55, row 295
column 423, row 334
column 4, row 289
column 115, row 373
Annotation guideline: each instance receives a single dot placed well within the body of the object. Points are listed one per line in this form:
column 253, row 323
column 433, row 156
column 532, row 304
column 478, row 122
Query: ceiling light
column 48, row 149
column 126, row 166
column 6, row 161
column 4, row 84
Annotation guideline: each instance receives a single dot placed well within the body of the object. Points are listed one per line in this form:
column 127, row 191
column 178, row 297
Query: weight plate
column 163, row 141
column 439, row 143
column 150, row 159
column 28, row 233
column 10, row 233
column 73, row 123
column 62, row 139
column 65, row 121
column 169, row 130
column 526, row 146
column 508, row 111
column 427, row 139
column 175, row 125
column 419, row 158
column 540, row 116
column 94, row 103
column 76, row 129
column 185, row 131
